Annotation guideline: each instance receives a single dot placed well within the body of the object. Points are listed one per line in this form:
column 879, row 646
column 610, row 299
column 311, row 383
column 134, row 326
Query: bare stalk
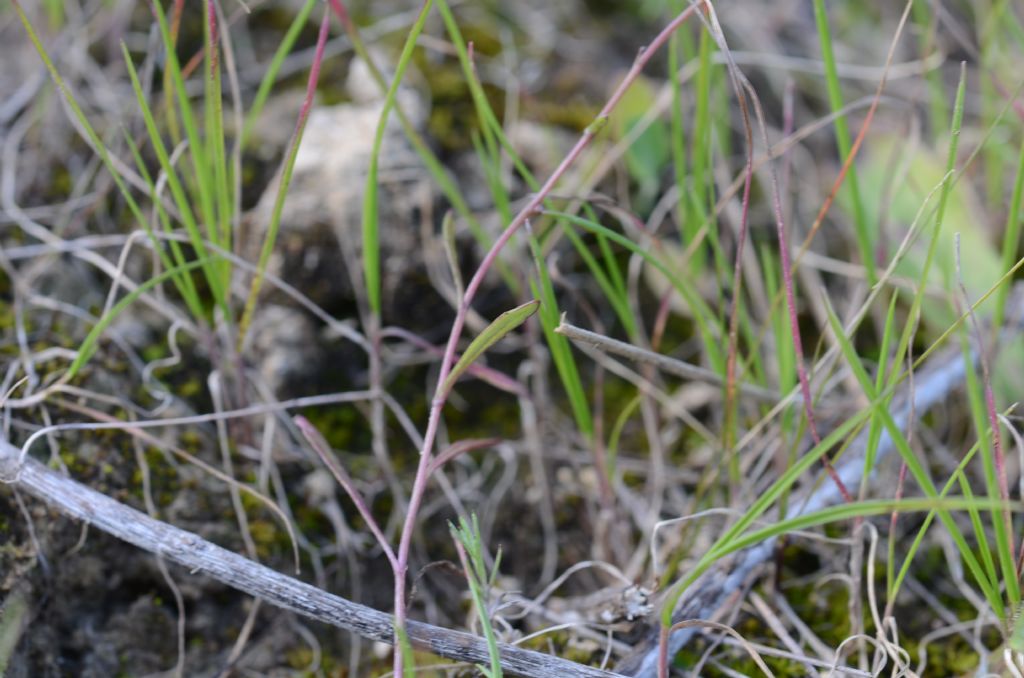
column 662, row 362
column 426, row 465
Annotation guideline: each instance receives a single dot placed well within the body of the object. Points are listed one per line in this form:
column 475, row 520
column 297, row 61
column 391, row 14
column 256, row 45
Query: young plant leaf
column 88, row 345
column 502, row 325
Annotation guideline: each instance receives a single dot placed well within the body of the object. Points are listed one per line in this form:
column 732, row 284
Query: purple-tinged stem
column 211, row 18
column 787, row 272
column 425, row 466
column 737, row 281
column 320, row 446
column 293, row 150
column 990, row 406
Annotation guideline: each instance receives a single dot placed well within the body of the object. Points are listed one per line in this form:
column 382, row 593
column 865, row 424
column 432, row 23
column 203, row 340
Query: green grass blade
column 759, row 507
column 940, row 211
column 927, row 24
column 186, row 287
column 494, row 332
column 273, row 68
column 178, row 190
column 957, row 476
column 561, row 352
column 203, row 181
column 914, row 465
column 371, row 225
column 405, row 648
column 612, row 294
column 91, row 136
column 88, row 345
column 287, row 168
column 702, row 205
column 676, row 47
column 427, row 156
column 489, row 124
column 875, row 427
column 616, row 434
column 871, row 507
column 835, row 97
column 1011, row 239
column 213, row 105
column 105, row 157
column 1003, row 532
column 701, row 313
column 467, row 535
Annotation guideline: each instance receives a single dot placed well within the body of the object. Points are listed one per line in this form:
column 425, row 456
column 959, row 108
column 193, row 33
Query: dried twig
column 662, row 362
column 200, row 556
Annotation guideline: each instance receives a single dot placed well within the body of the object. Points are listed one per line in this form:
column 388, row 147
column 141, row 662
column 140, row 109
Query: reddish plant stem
column 293, row 149
column 737, row 277
column 426, row 466
column 661, row 321
column 855, row 148
column 780, row 224
column 663, row 637
column 990, row 405
column 211, row 18
column 320, row 446
column 997, row 447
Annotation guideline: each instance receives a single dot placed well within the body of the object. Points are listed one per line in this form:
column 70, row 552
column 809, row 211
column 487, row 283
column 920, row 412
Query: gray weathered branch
column 200, row 556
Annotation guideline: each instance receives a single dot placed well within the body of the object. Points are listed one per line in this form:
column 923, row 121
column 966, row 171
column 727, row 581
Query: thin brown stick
column 200, row 556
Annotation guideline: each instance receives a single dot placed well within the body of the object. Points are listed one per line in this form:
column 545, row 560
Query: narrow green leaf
column 186, row 287
column 203, row 181
column 914, row 465
column 371, row 227
column 758, row 508
column 501, row 326
column 617, row 298
column 287, row 168
column 437, row 171
column 471, row 552
column 561, row 353
column 178, row 191
column 702, row 315
column 270, row 77
column 88, row 346
column 489, row 124
column 865, row 508
column 1011, row 238
column 1003, row 531
column 835, row 97
column 940, row 212
column 405, row 648
column 220, row 231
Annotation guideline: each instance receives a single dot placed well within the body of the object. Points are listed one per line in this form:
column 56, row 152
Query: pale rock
column 284, row 345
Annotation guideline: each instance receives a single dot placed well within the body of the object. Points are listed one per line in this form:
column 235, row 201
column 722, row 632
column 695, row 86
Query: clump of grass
column 202, row 175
